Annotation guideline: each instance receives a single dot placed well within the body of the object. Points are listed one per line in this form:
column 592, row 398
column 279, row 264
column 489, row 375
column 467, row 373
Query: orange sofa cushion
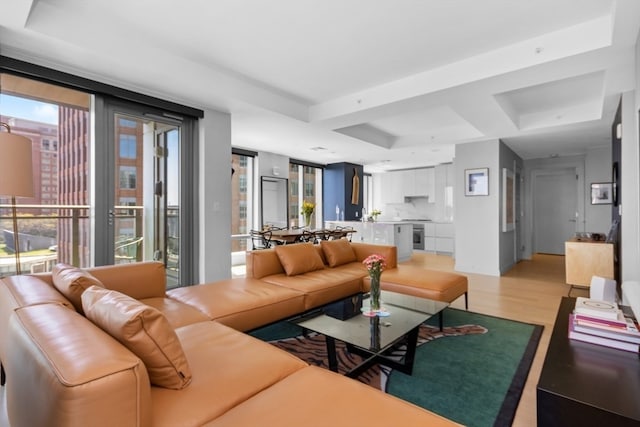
column 299, row 258
column 144, row 331
column 335, row 398
column 338, row 252
column 72, row 282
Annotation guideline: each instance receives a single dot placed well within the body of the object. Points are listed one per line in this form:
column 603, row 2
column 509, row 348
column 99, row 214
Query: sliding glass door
column 146, row 187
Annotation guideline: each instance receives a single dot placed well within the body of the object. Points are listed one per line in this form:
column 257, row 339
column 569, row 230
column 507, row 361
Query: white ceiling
column 388, row 84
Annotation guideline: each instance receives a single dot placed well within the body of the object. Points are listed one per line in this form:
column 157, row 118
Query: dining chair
column 322, row 234
column 342, row 232
column 260, row 239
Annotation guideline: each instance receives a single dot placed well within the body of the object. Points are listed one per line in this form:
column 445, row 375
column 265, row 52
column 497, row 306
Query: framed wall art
column 476, row 182
column 601, row 193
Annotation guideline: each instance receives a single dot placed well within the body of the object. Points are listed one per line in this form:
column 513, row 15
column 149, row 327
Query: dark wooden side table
column 584, row 384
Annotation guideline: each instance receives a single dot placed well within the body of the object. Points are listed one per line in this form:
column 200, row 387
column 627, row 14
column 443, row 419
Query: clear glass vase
column 374, row 296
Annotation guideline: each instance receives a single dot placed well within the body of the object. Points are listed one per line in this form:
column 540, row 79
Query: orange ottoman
column 424, row 283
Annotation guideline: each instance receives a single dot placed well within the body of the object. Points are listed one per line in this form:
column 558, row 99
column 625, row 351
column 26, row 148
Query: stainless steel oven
column 418, row 236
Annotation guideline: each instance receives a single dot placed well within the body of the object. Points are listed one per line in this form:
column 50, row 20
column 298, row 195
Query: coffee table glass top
column 376, row 334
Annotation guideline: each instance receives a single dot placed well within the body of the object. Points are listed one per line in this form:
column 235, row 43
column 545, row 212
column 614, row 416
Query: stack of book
column 604, row 323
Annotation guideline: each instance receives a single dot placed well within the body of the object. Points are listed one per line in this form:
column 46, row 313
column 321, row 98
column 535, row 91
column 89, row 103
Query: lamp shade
column 16, row 168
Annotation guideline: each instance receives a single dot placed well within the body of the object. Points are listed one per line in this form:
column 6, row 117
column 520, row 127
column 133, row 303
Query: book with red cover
column 624, row 324
column 599, row 340
column 622, row 335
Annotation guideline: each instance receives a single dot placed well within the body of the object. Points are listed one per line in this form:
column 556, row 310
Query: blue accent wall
column 337, row 185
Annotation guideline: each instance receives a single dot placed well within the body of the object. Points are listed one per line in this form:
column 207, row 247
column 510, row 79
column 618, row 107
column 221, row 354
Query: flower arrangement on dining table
column 307, row 210
column 375, row 265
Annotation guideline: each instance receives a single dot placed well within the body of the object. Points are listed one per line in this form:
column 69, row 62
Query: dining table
column 296, row 235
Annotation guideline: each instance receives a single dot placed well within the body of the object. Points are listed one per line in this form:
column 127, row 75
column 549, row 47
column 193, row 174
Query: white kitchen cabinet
column 399, row 234
column 424, row 183
column 443, row 192
column 403, row 239
column 444, row 229
column 431, row 184
column 392, row 187
column 438, row 237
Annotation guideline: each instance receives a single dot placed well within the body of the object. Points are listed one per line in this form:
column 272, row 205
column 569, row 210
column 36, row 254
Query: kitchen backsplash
column 418, row 208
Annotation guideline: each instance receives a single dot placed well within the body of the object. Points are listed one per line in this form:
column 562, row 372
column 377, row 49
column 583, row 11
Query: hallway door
column 554, row 210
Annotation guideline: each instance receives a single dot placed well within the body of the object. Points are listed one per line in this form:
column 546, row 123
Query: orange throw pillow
column 338, row 252
column 299, row 258
column 72, row 281
column 144, row 331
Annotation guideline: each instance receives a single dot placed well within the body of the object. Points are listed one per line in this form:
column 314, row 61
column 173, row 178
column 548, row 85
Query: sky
column 23, row 108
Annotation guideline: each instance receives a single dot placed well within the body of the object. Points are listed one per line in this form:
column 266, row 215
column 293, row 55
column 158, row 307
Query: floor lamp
column 16, row 176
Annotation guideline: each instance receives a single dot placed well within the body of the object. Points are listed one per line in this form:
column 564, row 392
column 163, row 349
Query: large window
column 241, row 199
column 305, row 185
column 75, row 174
column 128, row 146
column 128, row 176
column 56, row 121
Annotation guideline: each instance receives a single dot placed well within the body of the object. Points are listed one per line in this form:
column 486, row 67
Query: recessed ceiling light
column 539, row 50
column 318, row 148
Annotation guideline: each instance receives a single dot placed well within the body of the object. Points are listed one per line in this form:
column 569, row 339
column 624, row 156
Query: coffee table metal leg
column 331, row 353
column 412, row 344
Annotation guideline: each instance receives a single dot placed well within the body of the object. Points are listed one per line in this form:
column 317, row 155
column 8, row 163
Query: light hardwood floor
column 530, row 292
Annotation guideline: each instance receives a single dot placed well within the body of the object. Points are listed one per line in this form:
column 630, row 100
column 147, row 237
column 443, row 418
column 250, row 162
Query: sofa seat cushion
column 242, row 303
column 72, row 282
column 177, row 313
column 338, row 252
column 299, row 258
column 143, row 330
column 316, row 397
column 321, row 287
column 424, row 283
column 228, row 368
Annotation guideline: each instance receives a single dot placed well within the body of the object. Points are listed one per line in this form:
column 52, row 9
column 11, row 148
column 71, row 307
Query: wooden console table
column 587, row 258
column 583, row 384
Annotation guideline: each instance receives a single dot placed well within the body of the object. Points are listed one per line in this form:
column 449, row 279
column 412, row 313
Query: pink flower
column 375, row 263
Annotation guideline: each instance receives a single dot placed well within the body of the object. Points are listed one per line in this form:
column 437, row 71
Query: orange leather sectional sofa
column 110, row 346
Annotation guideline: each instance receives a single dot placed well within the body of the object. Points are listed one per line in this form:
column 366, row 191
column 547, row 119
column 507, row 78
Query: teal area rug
column 472, row 372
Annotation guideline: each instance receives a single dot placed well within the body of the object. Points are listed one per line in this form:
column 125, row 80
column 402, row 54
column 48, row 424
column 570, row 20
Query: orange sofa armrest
column 389, row 252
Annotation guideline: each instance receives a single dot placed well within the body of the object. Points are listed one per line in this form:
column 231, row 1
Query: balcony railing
column 61, row 233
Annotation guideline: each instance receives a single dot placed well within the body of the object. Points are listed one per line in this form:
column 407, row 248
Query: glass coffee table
column 372, row 337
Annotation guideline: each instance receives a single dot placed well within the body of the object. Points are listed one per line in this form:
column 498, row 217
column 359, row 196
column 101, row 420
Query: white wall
column 268, row 161
column 214, row 142
column 630, row 176
column 597, row 168
column 477, row 218
column 630, row 191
